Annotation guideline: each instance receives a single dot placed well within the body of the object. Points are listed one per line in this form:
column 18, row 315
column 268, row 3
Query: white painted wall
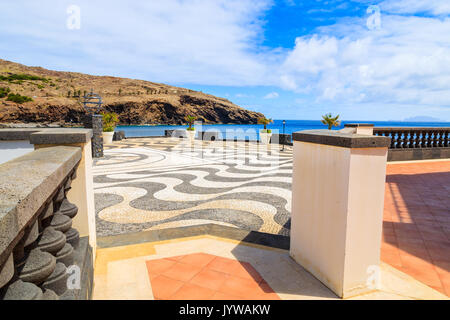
column 337, row 213
column 12, row 149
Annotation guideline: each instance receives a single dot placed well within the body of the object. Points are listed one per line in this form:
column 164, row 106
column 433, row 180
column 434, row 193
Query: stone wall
column 41, row 255
column 95, row 122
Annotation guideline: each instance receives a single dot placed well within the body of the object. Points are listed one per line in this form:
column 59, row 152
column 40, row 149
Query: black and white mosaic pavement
column 155, row 183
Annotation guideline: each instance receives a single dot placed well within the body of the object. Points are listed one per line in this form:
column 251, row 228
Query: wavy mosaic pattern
column 154, row 183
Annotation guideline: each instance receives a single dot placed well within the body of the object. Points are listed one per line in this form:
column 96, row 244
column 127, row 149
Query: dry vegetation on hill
column 56, row 99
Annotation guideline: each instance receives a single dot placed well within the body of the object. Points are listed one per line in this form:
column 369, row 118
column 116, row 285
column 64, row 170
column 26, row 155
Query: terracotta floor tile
column 240, row 287
column 224, row 296
column 392, row 256
column 435, row 235
column 224, row 265
column 246, row 270
column 192, row 292
column 417, row 206
column 164, row 288
column 175, row 258
column 392, row 239
column 421, row 270
column 210, row 279
column 182, row 272
column 197, row 259
column 412, row 234
column 156, row 267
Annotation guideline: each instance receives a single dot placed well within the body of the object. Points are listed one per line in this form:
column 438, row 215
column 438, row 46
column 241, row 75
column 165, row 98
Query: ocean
column 251, row 131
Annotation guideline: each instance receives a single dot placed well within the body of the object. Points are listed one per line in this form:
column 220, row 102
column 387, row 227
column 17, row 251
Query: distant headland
column 38, row 95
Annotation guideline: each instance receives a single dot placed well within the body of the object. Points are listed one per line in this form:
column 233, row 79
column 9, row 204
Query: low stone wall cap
column 17, row 133
column 61, row 136
column 340, row 139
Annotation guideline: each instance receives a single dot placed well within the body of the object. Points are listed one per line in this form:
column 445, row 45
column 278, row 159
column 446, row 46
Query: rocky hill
column 38, row 95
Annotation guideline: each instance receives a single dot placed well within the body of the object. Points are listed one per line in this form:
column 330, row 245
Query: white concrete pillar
column 337, row 207
column 82, row 187
column 359, row 128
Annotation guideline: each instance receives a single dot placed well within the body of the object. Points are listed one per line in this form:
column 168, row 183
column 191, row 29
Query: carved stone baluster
column 435, row 139
column 411, row 139
column 20, row 290
column 405, row 140
column 69, row 211
column 417, row 143
column 447, row 138
column 429, row 139
column 398, row 139
column 6, row 271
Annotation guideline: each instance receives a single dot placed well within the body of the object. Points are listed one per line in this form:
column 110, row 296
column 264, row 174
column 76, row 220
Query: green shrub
column 110, row 119
column 17, row 98
column 4, row 92
column 22, row 76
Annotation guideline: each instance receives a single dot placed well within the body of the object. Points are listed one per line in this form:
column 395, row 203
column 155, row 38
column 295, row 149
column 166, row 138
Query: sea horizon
column 291, row 126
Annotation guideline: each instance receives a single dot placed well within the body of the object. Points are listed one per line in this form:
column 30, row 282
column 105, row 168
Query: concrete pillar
column 82, row 188
column 359, row 128
column 337, row 207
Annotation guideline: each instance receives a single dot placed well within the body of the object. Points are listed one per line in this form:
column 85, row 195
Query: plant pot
column 264, row 137
column 108, row 137
column 190, row 135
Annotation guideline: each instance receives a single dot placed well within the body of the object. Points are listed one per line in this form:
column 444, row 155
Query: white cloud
column 271, row 95
column 407, row 61
column 435, row 7
column 188, row 41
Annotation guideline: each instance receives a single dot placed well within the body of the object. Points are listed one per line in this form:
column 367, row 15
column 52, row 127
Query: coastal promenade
column 159, row 189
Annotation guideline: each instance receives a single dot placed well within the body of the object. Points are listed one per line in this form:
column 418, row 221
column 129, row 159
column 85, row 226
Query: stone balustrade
column 416, row 143
column 41, row 250
column 408, row 143
column 413, row 138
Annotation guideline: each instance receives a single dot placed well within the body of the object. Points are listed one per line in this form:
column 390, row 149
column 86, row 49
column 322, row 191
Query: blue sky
column 290, row 59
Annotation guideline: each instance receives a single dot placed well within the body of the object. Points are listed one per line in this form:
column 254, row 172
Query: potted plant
column 330, row 121
column 190, row 131
column 110, row 119
column 265, row 134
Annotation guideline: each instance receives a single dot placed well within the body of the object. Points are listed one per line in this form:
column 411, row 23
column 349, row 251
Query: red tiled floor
column 181, row 271
column 202, row 276
column 164, row 288
column 416, row 222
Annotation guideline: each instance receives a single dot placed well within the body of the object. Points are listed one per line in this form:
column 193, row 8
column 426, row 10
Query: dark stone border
column 418, row 154
column 357, row 125
column 340, row 139
column 254, row 237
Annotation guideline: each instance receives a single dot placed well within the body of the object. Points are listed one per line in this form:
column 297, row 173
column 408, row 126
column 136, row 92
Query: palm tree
column 190, row 120
column 330, row 121
column 264, row 121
